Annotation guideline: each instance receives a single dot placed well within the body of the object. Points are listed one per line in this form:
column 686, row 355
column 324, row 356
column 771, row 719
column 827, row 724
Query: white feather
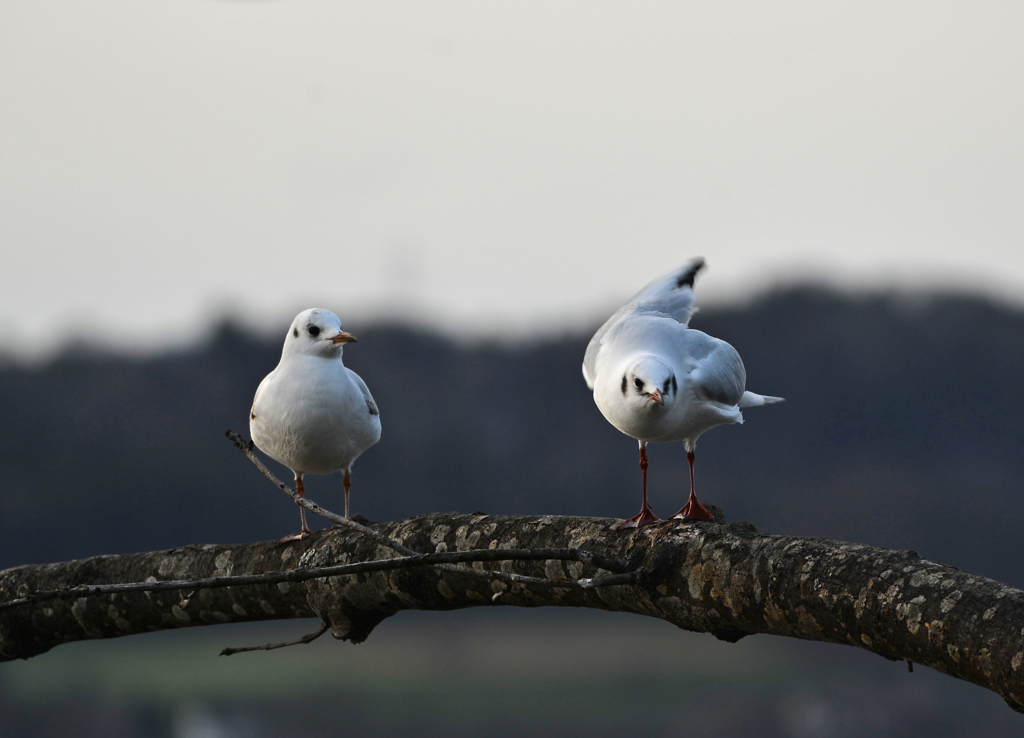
column 311, row 413
column 650, row 336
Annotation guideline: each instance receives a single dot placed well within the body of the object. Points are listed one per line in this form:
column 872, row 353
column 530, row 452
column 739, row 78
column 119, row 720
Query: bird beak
column 656, row 396
column 344, row 337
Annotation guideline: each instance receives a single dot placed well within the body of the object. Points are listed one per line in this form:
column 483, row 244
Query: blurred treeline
column 900, row 429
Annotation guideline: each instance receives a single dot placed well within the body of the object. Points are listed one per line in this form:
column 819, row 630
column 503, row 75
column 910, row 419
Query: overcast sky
column 491, row 167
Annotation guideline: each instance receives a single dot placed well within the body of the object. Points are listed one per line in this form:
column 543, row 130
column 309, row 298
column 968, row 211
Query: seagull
column 311, row 413
column 657, row 380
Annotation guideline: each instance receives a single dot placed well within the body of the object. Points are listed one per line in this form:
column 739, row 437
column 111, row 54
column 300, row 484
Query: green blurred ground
column 486, row 673
column 467, row 657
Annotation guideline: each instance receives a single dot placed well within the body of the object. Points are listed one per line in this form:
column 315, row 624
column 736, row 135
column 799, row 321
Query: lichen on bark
column 727, row 580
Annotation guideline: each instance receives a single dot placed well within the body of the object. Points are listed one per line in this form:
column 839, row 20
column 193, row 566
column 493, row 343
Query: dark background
column 900, row 429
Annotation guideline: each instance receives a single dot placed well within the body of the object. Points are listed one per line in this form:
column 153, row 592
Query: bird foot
column 301, row 535
column 645, row 517
column 693, row 510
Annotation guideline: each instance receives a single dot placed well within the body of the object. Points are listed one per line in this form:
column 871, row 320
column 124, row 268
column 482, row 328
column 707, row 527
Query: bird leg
column 692, row 510
column 646, row 515
column 346, row 482
column 300, row 490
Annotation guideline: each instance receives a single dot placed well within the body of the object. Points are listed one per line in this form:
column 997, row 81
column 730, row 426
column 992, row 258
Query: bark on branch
column 724, row 579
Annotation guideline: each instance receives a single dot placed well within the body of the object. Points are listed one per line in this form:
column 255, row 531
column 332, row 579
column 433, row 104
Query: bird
column 311, row 413
column 657, row 380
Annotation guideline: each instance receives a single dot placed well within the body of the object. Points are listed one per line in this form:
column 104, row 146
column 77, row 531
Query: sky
column 504, row 169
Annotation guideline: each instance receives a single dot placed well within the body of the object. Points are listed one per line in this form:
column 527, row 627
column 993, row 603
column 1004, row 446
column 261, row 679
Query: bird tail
column 672, row 293
column 750, row 399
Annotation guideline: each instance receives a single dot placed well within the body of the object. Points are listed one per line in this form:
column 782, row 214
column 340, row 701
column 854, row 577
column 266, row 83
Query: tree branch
column 724, row 579
column 308, row 638
column 407, row 562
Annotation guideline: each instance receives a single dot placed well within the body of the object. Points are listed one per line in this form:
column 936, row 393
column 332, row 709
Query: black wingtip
column 687, row 277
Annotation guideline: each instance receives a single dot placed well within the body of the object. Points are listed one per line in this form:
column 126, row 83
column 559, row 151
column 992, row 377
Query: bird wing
column 264, row 386
column 718, row 372
column 670, row 295
column 592, row 358
column 370, row 404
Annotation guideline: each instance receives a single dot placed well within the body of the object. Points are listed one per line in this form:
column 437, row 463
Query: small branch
column 625, row 576
column 246, row 447
column 629, row 577
column 309, row 638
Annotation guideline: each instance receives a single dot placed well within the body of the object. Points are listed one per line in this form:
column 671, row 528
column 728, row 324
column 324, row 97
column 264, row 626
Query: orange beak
column 344, row 337
column 656, row 396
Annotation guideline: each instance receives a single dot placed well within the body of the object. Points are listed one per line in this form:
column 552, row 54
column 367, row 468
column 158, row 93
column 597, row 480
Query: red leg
column 300, row 489
column 646, row 515
column 692, row 510
column 346, row 482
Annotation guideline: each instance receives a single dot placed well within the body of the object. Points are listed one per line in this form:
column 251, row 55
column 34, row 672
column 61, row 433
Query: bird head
column 317, row 332
column 649, row 384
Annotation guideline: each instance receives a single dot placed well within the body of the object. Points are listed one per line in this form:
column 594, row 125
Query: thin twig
column 309, row 638
column 629, row 577
column 360, row 567
column 246, row 447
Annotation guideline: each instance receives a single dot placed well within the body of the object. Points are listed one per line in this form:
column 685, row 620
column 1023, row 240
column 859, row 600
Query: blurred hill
column 900, row 429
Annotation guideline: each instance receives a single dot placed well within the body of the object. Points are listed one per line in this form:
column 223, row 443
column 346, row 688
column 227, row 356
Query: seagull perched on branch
column 311, row 413
column 658, row 380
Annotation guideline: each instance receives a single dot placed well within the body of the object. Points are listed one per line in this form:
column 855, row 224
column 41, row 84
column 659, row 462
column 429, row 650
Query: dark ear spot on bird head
column 295, row 332
column 675, row 387
column 623, row 384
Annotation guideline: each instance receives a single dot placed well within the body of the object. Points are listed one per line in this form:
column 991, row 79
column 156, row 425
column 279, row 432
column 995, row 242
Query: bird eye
column 664, row 390
column 313, row 331
column 638, row 383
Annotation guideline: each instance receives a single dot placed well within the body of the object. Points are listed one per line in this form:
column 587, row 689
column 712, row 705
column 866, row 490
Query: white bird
column 311, row 413
column 658, row 380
